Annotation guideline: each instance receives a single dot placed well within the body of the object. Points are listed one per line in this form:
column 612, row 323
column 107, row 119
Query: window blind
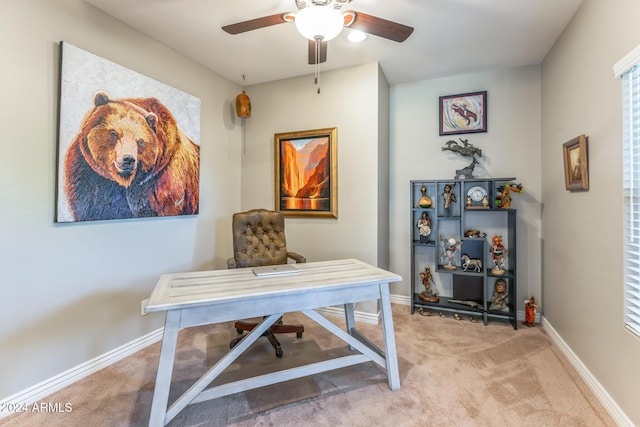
column 631, row 188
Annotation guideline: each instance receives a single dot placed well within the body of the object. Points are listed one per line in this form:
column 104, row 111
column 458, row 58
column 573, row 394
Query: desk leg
column 349, row 318
column 389, row 338
column 165, row 369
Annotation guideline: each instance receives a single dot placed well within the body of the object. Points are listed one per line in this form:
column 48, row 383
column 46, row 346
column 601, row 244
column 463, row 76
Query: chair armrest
column 231, row 263
column 296, row 257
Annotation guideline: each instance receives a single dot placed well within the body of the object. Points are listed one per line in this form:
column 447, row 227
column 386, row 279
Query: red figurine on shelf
column 530, row 312
column 498, row 254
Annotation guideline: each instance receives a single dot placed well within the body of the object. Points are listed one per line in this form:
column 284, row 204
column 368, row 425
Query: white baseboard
column 41, row 390
column 360, row 316
column 602, row 395
column 45, row 388
column 400, row 300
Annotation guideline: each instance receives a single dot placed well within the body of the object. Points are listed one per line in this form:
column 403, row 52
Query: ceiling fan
column 321, row 20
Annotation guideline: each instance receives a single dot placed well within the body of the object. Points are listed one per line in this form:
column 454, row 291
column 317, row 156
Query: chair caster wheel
column 239, row 331
column 298, row 334
column 279, row 352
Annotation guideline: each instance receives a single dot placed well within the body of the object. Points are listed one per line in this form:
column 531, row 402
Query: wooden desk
column 201, row 298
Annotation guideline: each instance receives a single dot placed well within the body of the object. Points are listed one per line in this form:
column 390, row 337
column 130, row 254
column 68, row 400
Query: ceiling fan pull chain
column 318, row 40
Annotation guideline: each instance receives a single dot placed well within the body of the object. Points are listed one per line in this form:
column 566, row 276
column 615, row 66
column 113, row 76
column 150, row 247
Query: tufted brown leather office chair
column 259, row 239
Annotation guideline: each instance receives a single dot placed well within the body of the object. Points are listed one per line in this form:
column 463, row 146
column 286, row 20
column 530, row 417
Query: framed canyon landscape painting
column 306, row 169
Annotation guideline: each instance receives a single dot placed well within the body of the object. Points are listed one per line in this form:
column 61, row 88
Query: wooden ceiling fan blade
column 312, row 51
column 254, row 24
column 380, row 27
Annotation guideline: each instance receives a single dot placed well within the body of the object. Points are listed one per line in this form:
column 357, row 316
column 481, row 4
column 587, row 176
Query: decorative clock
column 476, row 195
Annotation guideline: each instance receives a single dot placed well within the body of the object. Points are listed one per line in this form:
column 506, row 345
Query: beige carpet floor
column 453, row 373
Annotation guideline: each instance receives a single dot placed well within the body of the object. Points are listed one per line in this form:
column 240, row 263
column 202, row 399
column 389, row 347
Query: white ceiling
column 450, row 37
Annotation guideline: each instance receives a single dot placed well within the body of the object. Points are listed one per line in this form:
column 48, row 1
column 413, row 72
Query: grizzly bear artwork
column 130, row 159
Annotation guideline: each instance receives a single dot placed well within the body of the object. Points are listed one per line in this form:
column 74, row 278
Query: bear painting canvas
column 128, row 145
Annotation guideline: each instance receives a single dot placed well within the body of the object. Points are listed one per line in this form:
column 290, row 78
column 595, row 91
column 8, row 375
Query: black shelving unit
column 473, row 222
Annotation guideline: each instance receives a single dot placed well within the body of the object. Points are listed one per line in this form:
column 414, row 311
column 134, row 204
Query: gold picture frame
column 306, row 173
column 576, row 166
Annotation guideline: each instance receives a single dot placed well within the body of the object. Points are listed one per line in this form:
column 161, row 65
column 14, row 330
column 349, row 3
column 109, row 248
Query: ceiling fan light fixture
column 356, row 36
column 319, row 22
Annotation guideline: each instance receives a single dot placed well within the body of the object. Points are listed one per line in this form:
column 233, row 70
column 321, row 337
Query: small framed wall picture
column 463, row 113
column 576, row 167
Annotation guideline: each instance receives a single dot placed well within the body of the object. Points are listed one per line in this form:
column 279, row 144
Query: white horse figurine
column 468, row 262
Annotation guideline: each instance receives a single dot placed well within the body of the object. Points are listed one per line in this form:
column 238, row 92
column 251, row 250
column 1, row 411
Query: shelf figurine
column 499, row 297
column 503, row 195
column 449, row 197
column 475, row 233
column 498, row 254
column 464, row 148
column 424, row 227
column 430, row 293
column 530, row 312
column 449, row 249
column 425, row 201
column 474, row 263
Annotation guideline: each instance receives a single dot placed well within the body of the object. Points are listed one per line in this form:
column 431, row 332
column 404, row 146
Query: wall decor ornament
column 306, row 173
column 127, row 144
column 463, row 113
column 576, row 166
column 243, row 103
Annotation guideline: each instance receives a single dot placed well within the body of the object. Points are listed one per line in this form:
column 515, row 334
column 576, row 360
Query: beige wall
column 510, row 148
column 71, row 292
column 583, row 289
column 349, row 100
column 384, row 150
